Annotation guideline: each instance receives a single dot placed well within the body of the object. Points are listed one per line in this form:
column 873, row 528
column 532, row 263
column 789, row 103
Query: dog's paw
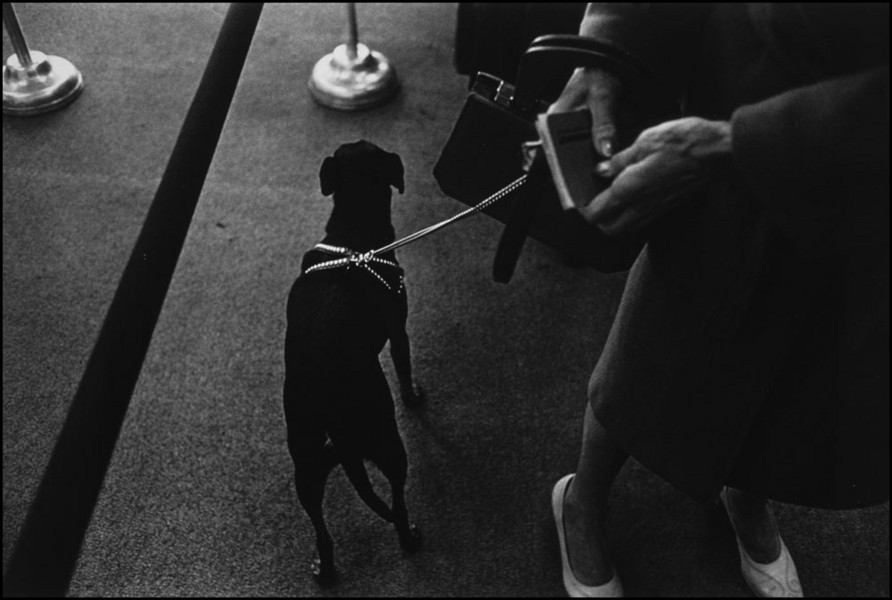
column 410, row 540
column 412, row 396
column 323, row 572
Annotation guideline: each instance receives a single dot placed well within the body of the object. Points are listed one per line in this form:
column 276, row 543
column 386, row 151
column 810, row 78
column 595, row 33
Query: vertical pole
column 354, row 34
column 15, row 35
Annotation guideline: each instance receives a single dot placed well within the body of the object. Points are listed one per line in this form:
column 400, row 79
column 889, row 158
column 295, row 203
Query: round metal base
column 50, row 82
column 343, row 82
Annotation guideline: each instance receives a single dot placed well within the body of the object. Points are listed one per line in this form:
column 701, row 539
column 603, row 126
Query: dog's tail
column 354, row 467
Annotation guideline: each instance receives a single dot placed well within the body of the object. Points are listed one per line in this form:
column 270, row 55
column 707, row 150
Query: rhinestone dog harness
column 350, row 258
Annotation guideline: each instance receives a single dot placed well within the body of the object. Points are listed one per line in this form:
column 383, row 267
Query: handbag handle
column 518, row 224
column 548, row 52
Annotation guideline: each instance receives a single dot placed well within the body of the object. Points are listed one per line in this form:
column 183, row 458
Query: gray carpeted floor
column 198, row 500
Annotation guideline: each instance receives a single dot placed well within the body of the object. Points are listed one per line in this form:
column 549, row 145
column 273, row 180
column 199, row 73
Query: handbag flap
column 483, row 154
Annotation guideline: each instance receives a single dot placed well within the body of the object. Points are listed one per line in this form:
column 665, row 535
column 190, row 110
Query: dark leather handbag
column 484, row 153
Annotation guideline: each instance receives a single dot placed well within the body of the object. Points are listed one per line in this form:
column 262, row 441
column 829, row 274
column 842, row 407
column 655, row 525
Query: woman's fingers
column 603, row 104
column 614, row 166
column 603, row 110
column 575, row 94
column 598, row 91
column 628, row 187
column 641, row 192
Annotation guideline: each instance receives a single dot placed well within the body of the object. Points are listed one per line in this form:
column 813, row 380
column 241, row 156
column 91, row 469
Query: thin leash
column 365, row 260
column 465, row 213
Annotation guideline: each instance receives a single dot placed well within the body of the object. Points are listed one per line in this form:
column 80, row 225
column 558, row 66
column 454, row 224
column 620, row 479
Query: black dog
column 338, row 405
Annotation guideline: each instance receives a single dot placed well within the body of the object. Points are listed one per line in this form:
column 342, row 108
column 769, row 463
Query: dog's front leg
column 402, row 362
column 411, row 394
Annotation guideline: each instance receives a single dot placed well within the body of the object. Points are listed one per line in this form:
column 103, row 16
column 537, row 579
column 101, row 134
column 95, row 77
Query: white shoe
column 777, row 579
column 611, row 589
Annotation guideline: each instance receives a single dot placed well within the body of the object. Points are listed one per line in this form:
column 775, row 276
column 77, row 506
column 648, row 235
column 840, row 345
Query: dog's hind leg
column 314, row 457
column 352, row 462
column 390, row 457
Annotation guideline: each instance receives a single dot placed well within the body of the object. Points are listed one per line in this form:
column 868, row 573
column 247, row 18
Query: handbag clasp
column 504, row 94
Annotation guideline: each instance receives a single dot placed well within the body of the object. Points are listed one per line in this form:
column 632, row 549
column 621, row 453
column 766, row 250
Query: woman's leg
column 766, row 566
column 755, row 524
column 585, row 509
column 585, row 503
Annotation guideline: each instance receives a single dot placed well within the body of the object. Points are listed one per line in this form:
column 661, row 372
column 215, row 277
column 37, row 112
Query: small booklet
column 567, row 141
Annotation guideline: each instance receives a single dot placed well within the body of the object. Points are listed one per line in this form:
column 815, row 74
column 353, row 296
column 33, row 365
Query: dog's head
column 361, row 166
column 359, row 176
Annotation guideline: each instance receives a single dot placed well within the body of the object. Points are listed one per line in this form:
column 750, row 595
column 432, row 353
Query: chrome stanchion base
column 50, row 82
column 342, row 82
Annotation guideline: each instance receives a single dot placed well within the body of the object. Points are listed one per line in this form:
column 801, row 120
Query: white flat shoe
column 611, row 589
column 777, row 579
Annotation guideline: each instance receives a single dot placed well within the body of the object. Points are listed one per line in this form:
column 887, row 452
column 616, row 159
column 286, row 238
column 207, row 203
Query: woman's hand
column 599, row 91
column 657, row 171
column 654, row 174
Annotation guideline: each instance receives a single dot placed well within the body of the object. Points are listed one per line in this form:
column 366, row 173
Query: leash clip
column 530, row 150
column 361, row 258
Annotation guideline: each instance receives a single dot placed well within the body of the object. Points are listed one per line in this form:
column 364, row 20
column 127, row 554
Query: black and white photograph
column 446, row 300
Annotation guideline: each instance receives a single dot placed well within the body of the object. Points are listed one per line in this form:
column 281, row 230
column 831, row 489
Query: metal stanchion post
column 34, row 83
column 353, row 77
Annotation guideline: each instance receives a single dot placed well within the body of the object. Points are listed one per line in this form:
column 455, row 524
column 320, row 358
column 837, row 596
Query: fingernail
column 603, row 168
column 607, row 148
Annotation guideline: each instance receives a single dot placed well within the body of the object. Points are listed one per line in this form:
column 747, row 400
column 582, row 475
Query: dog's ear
column 328, row 175
column 394, row 166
